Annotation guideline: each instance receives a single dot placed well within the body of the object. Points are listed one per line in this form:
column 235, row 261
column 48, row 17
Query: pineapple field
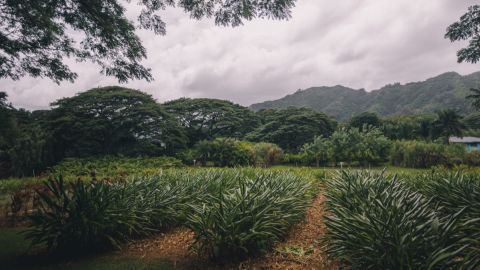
column 90, row 213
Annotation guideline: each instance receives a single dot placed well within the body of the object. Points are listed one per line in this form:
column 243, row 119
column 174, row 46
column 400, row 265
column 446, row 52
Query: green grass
column 14, row 251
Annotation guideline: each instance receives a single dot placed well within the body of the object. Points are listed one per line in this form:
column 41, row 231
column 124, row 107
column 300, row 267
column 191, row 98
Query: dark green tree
column 8, row 132
column 370, row 119
column 3, row 100
column 36, row 35
column 467, row 28
column 30, row 153
column 408, row 127
column 320, row 149
column 206, row 119
column 448, row 123
column 112, row 120
column 472, row 121
column 475, row 98
column 291, row 128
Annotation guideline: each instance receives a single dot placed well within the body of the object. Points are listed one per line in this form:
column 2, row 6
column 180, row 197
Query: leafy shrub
column 83, row 216
column 299, row 159
column 472, row 158
column 251, row 216
column 266, row 154
column 418, row 154
column 366, row 146
column 224, row 152
column 376, row 222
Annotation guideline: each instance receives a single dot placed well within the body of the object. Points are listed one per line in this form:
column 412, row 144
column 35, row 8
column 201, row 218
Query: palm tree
column 475, row 97
column 320, row 149
column 448, row 123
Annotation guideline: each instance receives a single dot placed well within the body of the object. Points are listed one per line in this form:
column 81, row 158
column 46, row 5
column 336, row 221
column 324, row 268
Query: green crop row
column 426, row 221
column 233, row 212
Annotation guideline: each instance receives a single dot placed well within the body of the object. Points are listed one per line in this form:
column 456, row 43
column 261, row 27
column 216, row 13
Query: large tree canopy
column 467, row 28
column 370, row 119
column 206, row 119
column 113, row 120
column 291, row 128
column 36, row 35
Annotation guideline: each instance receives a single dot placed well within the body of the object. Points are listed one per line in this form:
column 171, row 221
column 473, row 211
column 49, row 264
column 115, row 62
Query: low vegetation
column 383, row 222
column 232, row 212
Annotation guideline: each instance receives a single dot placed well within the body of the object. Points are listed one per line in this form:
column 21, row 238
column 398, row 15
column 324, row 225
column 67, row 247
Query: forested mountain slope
column 447, row 90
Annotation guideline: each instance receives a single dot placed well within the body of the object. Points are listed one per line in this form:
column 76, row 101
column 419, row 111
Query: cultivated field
column 156, row 214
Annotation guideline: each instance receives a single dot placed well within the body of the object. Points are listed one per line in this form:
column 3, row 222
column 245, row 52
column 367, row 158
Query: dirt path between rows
column 300, row 250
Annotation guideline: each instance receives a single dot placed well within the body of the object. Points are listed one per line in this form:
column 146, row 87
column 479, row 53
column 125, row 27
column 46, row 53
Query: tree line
column 120, row 121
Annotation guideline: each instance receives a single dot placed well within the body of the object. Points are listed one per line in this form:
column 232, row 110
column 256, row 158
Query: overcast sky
column 355, row 43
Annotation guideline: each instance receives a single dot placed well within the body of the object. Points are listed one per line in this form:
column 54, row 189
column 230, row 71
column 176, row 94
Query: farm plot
column 277, row 218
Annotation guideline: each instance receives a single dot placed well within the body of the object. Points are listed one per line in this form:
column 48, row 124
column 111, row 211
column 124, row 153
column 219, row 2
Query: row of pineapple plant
column 232, row 212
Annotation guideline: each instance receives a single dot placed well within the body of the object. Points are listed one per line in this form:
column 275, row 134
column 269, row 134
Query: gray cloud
column 356, row 43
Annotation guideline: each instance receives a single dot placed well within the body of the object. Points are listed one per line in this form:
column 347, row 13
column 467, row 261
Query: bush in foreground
column 81, row 216
column 84, row 217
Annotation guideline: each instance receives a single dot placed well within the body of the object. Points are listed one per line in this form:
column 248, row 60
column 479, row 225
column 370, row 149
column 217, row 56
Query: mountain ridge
column 447, row 90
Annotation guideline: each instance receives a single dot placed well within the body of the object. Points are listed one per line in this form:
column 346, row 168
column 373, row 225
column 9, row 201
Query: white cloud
column 356, row 43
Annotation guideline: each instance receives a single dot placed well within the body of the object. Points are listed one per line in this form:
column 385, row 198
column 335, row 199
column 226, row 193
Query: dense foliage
column 348, row 145
column 365, row 119
column 224, row 152
column 229, row 152
column 409, row 127
column 447, row 124
column 291, row 128
column 418, row 154
column 206, row 119
column 467, row 28
column 113, row 120
column 36, row 36
column 379, row 222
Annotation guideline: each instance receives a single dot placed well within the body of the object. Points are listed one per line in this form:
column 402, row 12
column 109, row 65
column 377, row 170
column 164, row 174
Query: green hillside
column 447, row 90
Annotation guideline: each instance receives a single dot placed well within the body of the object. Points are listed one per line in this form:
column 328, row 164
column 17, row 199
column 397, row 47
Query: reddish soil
column 301, row 249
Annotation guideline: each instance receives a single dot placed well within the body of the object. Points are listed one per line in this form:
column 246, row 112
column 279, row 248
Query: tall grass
column 378, row 222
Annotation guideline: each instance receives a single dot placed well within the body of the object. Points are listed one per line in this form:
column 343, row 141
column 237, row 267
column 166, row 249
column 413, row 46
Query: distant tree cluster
column 119, row 121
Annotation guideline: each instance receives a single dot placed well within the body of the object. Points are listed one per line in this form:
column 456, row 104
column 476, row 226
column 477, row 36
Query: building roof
column 464, row 140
